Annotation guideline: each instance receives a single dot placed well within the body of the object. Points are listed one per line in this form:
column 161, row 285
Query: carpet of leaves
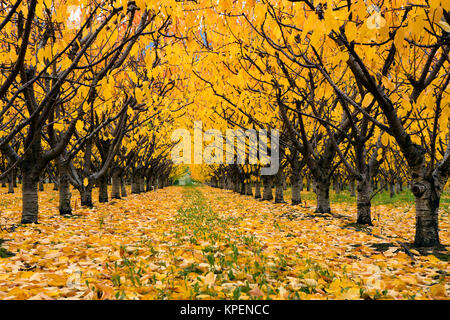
column 205, row 243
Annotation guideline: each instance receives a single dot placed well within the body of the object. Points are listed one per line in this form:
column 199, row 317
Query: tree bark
column 86, row 197
column 236, row 184
column 142, row 184
column 103, row 189
column 123, row 187
column 14, row 177
column 135, row 188
column 267, row 187
column 323, row 195
column 11, row 182
column 391, row 189
column 241, row 187
column 279, row 187
column 427, row 192
column 248, row 189
column 29, row 196
column 352, row 187
column 363, row 200
column 30, row 180
column 116, row 183
column 258, row 190
column 64, row 190
column 148, row 185
column 297, row 184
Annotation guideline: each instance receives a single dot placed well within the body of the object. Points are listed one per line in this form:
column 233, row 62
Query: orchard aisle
column 205, row 243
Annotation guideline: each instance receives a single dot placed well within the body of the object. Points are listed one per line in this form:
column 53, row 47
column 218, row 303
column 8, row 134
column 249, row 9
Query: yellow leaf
column 437, row 290
column 209, row 279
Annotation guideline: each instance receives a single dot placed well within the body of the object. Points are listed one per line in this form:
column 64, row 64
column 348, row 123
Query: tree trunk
column 14, row 178
column 116, row 183
column 142, row 184
column 148, row 185
column 41, row 185
column 103, row 189
column 11, row 182
column 391, row 189
column 323, row 196
column 352, row 187
column 135, row 188
column 296, row 181
column 86, row 197
column 248, row 189
column 398, row 187
column 267, row 187
column 427, row 196
column 241, row 187
column 29, row 197
column 363, row 201
column 123, row 187
column 308, row 183
column 30, row 180
column 237, row 184
column 64, row 191
column 336, row 185
column 258, row 190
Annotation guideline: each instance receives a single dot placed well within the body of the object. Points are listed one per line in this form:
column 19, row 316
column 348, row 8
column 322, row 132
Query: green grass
column 382, row 198
column 3, row 252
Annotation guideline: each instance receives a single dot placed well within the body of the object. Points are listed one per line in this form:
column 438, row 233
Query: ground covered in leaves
column 205, row 243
